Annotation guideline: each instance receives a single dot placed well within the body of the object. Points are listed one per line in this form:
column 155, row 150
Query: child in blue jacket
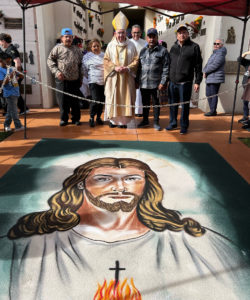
column 9, row 85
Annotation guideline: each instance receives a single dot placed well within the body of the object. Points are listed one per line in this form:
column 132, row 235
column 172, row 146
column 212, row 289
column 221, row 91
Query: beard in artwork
column 116, row 206
column 64, row 204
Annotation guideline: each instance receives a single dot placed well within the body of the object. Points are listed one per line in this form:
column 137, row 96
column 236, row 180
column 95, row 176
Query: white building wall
column 149, row 16
column 11, row 9
column 47, row 32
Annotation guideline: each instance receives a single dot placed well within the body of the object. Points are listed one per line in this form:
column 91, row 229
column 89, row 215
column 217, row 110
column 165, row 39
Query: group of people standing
column 131, row 73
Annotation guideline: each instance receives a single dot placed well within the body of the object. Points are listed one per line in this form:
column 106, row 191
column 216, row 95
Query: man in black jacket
column 185, row 62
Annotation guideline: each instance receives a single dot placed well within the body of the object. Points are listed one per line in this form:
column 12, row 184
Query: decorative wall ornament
column 31, row 57
column 196, row 24
column 100, row 32
column 167, row 22
column 231, row 36
column 79, row 14
column 90, row 19
column 78, row 27
column 82, row 4
column 154, row 22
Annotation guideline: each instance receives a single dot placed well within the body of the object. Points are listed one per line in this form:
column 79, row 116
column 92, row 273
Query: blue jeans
column 212, row 89
column 12, row 113
column 179, row 93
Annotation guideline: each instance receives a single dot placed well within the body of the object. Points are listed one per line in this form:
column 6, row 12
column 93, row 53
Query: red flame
column 119, row 291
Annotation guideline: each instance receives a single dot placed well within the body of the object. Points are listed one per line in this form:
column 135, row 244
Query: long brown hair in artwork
column 64, row 204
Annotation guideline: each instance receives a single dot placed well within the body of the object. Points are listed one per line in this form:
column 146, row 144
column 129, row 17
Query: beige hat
column 120, row 21
column 182, row 26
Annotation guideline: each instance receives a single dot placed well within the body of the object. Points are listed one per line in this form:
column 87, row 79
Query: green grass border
column 245, row 141
column 4, row 135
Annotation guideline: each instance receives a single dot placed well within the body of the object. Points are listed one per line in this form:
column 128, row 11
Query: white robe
column 120, row 87
column 138, row 101
column 167, row 265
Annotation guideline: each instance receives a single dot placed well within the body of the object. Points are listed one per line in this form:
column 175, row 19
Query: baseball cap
column 152, row 31
column 182, row 26
column 66, row 31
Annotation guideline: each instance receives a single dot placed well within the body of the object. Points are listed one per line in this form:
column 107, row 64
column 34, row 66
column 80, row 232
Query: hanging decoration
column 167, row 22
column 154, row 22
column 90, row 19
column 100, row 32
column 196, row 24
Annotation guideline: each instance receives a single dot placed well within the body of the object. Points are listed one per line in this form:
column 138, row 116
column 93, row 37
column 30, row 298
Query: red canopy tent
column 204, row 7
column 239, row 9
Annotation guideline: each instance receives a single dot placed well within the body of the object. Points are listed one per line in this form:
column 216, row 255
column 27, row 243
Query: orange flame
column 119, row 291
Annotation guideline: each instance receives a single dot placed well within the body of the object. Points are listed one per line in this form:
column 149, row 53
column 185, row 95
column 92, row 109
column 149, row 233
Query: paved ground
column 43, row 123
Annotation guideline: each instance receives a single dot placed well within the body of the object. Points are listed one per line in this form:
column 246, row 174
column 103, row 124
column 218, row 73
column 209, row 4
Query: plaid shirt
column 153, row 67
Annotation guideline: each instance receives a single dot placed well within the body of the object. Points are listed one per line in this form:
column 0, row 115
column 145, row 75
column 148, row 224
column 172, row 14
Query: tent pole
column 24, row 71
column 238, row 70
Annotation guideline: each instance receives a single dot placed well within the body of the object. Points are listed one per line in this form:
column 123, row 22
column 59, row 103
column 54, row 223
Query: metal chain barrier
column 124, row 105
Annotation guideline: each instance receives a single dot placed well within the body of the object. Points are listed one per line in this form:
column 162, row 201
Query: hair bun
column 193, row 227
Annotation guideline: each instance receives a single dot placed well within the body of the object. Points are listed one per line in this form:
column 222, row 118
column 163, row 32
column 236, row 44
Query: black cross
column 117, row 269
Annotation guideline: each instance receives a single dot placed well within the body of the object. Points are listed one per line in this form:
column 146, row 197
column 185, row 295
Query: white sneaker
column 22, row 113
column 191, row 105
column 19, row 129
column 7, row 128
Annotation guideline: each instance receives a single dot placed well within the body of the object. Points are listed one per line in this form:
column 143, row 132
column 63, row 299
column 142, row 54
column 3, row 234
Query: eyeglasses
column 217, row 44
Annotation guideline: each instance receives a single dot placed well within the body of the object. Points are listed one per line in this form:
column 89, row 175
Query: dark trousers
column 20, row 101
column 212, row 89
column 245, row 108
column 97, row 93
column 147, row 95
column 66, row 102
column 179, row 93
column 20, row 104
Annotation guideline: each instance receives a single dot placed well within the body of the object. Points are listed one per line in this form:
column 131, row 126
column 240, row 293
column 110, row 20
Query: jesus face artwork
column 115, row 189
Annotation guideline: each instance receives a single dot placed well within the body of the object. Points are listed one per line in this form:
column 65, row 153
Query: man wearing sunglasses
column 215, row 75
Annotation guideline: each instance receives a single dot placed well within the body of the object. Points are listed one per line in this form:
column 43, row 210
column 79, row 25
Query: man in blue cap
column 152, row 76
column 64, row 62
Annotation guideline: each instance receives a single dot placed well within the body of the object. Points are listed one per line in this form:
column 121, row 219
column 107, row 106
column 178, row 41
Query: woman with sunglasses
column 215, row 75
